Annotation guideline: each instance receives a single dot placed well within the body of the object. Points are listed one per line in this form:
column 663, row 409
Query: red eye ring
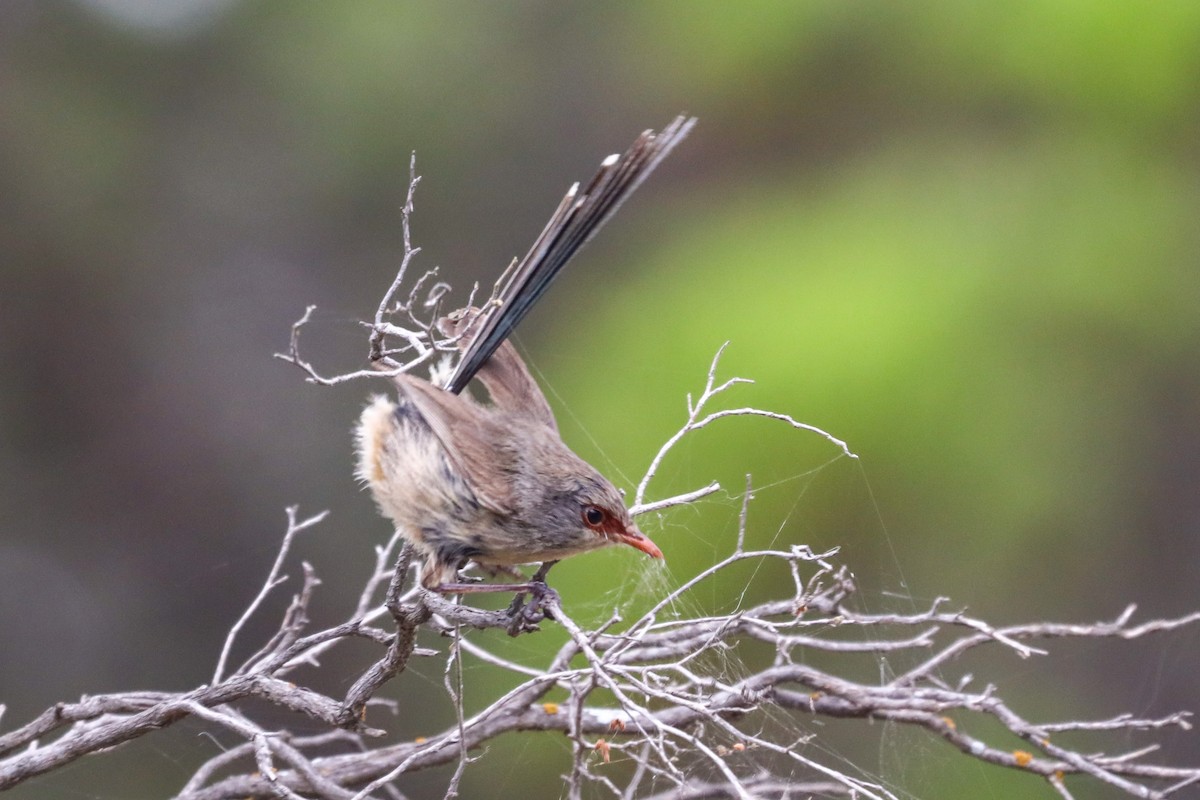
column 594, row 516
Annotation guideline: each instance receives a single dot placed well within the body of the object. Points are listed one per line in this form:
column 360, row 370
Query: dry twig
column 640, row 690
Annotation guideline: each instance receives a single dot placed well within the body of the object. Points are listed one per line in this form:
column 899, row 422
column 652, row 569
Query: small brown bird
column 495, row 484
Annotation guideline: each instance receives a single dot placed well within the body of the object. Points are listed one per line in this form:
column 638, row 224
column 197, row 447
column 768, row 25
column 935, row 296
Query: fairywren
column 495, row 484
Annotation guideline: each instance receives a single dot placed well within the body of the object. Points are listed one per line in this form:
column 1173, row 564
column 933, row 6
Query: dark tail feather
column 577, row 219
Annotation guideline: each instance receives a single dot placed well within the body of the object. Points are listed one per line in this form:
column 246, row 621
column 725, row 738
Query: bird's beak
column 635, row 538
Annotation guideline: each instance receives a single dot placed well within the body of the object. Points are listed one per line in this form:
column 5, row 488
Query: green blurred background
column 961, row 237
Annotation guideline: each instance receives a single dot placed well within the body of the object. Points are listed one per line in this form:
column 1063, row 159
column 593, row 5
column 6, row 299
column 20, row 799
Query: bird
column 494, row 484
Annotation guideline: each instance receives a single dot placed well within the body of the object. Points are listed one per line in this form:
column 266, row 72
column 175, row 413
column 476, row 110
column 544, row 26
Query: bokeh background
column 962, row 237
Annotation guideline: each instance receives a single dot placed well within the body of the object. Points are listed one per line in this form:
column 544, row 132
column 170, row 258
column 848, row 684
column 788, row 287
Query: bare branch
column 273, row 580
column 643, row 689
column 695, row 422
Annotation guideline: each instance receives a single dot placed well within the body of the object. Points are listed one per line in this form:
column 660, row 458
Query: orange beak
column 635, row 538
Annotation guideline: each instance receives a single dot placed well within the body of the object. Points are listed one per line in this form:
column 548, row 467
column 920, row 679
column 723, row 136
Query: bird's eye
column 593, row 516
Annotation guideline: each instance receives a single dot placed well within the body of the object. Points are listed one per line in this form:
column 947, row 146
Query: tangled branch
column 663, row 708
column 644, row 690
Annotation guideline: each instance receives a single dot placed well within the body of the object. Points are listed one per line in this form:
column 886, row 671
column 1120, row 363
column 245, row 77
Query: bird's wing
column 469, row 435
column 508, row 381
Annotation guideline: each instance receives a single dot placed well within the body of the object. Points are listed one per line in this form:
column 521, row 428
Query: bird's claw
column 523, row 617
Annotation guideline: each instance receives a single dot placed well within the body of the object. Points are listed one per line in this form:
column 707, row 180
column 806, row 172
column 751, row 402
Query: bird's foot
column 524, row 617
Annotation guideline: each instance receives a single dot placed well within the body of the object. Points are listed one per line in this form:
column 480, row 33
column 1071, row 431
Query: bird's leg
column 495, row 570
column 481, row 588
column 522, row 617
column 541, row 591
column 540, row 575
column 463, row 584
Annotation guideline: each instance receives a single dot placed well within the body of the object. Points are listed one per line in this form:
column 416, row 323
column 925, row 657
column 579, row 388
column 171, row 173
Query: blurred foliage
column 961, row 237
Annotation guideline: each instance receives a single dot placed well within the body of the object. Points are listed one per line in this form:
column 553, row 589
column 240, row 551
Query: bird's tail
column 576, row 220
